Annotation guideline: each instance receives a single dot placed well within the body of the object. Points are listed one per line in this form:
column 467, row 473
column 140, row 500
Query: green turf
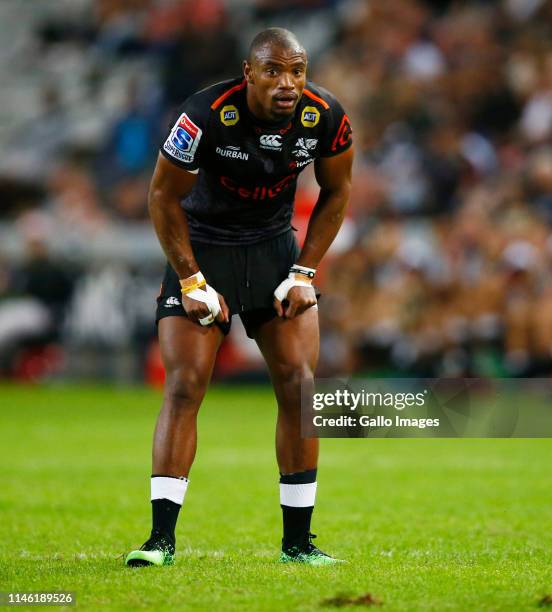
column 425, row 524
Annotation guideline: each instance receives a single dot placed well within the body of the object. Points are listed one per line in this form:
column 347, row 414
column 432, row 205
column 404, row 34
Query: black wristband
column 301, row 270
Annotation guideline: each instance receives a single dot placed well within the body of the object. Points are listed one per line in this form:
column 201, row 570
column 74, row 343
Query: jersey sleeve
column 183, row 143
column 338, row 132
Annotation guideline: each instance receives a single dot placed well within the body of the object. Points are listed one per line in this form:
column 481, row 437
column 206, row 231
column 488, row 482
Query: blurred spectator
column 33, row 298
column 131, row 146
column 443, row 266
column 74, row 201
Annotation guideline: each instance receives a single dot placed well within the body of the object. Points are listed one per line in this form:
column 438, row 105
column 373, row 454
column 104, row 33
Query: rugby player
column 221, row 201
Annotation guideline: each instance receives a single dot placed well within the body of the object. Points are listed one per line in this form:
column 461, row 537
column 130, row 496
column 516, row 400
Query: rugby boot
column 158, row 550
column 308, row 554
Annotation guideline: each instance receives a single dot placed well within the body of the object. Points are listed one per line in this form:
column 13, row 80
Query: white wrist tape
column 192, row 282
column 282, row 289
column 208, row 296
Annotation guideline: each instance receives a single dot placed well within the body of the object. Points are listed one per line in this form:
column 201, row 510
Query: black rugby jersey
column 247, row 168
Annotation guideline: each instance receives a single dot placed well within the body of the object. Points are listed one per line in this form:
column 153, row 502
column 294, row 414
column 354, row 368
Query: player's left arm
column 333, row 174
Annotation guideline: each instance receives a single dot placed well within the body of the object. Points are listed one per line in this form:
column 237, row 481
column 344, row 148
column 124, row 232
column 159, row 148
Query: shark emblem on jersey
column 304, row 146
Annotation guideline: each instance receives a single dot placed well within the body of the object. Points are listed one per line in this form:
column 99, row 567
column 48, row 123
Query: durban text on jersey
column 232, row 152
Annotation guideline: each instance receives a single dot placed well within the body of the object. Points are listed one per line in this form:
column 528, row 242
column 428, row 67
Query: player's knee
column 291, row 379
column 184, row 389
column 297, row 375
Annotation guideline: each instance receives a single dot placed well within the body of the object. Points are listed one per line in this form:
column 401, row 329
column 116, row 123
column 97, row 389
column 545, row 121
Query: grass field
column 425, row 524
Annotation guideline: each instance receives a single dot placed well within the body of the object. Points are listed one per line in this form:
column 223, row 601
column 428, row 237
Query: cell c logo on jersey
column 229, row 115
column 310, row 116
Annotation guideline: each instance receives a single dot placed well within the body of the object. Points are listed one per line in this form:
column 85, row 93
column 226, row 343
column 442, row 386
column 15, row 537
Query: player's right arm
column 168, row 186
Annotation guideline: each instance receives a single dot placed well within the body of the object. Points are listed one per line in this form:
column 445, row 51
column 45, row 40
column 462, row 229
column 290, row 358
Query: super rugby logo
column 183, row 140
column 229, row 115
column 272, row 142
column 310, row 116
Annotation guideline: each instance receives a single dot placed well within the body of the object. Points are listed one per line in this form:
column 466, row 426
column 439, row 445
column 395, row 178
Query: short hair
column 277, row 36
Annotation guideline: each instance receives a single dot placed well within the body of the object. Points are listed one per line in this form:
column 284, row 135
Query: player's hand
column 205, row 309
column 201, row 302
column 293, row 296
column 298, row 300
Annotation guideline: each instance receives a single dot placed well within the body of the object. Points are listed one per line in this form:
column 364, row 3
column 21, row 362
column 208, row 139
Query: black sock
column 164, row 516
column 167, row 496
column 297, row 520
column 296, row 526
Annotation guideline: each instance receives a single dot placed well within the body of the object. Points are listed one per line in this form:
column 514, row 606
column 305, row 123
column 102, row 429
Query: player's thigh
column 290, row 346
column 188, row 348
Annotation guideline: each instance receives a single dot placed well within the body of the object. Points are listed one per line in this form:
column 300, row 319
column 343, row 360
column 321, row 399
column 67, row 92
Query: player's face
column 276, row 78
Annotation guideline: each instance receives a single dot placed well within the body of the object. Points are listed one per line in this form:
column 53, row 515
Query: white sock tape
column 298, row 495
column 164, row 487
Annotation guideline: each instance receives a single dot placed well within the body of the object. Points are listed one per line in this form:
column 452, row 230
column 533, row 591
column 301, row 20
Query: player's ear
column 247, row 71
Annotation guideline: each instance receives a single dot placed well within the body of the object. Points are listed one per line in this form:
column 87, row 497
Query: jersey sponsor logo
column 229, row 115
column 344, row 134
column 310, row 116
column 295, row 165
column 183, row 140
column 304, row 146
column 258, row 192
column 272, row 142
column 172, row 301
column 232, row 152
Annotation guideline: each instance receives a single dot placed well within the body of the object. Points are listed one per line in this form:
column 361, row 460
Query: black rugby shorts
column 246, row 276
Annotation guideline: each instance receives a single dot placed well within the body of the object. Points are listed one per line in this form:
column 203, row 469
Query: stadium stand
column 442, row 267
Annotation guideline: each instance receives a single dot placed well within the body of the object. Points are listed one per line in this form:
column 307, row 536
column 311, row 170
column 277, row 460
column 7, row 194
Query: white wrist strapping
column 293, row 281
column 207, row 295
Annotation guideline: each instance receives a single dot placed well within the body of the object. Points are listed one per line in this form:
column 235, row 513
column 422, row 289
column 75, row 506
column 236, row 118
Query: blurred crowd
column 443, row 265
